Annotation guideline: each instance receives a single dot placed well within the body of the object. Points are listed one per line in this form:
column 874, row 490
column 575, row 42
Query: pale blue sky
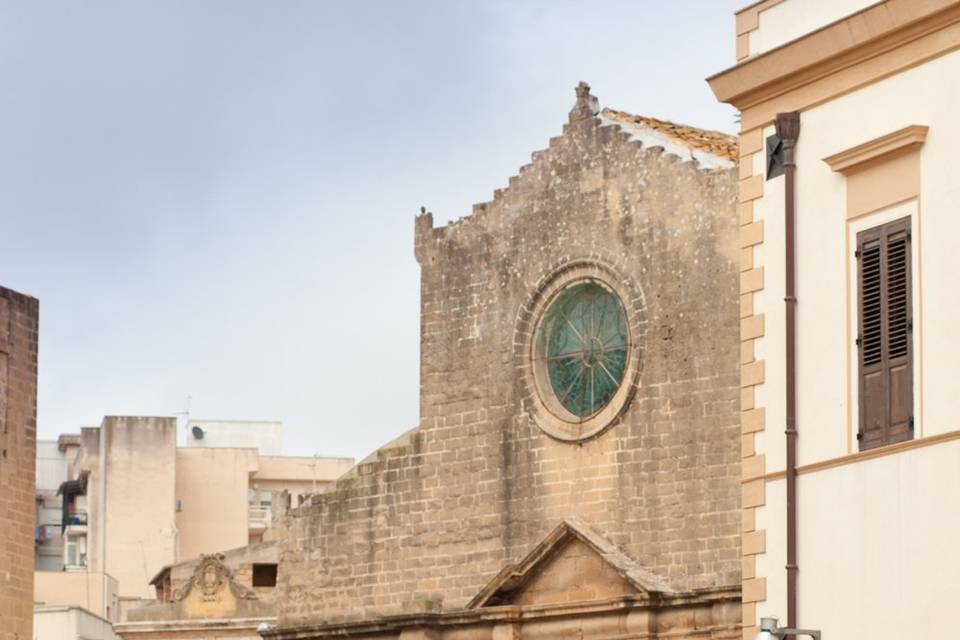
column 216, row 199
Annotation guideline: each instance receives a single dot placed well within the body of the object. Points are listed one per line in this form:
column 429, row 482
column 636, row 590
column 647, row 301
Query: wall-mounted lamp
column 770, row 630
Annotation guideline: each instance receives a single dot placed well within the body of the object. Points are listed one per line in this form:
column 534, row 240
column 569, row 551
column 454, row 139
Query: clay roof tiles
column 713, row 142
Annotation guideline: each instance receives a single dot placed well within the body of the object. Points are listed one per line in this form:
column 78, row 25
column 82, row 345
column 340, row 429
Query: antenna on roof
column 186, row 411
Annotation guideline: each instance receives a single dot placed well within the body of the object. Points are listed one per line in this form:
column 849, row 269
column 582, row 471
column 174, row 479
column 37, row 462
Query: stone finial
column 587, row 105
column 422, row 235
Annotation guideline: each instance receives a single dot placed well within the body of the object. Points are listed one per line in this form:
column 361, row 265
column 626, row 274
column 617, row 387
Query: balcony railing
column 259, row 518
column 75, row 519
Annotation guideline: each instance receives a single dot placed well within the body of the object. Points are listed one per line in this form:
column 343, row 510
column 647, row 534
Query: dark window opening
column 774, row 157
column 885, row 339
column 264, row 575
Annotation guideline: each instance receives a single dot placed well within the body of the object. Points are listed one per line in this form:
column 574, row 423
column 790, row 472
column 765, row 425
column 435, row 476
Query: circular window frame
column 540, row 400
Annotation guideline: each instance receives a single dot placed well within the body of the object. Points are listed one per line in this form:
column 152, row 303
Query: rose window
column 582, row 344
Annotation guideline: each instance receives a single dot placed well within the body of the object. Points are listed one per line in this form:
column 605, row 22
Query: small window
column 885, row 339
column 75, row 551
column 265, row 575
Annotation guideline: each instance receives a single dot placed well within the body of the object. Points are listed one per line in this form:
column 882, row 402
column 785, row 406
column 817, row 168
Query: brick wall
column 429, row 519
column 18, row 442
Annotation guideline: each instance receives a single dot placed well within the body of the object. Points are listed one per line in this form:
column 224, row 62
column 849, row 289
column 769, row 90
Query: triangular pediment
column 572, row 564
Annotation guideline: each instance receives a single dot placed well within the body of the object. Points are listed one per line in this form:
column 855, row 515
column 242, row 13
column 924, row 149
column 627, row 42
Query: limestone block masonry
column 428, row 520
column 19, row 316
column 753, row 374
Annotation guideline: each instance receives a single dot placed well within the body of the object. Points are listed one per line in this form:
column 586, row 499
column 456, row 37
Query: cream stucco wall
column 826, row 278
column 791, row 19
column 298, row 475
column 302, row 468
column 264, row 436
column 876, row 538
column 88, row 460
column 893, row 571
column 211, row 489
column 69, row 623
column 139, row 499
column 95, row 592
column 876, row 542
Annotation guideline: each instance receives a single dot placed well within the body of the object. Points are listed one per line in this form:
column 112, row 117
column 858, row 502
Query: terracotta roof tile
column 713, row 142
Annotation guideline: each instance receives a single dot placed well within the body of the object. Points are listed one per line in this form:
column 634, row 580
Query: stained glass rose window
column 583, row 342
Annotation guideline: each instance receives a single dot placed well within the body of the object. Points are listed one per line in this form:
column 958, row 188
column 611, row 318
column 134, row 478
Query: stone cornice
column 862, row 456
column 503, row 614
column 861, row 36
column 201, row 624
column 893, row 144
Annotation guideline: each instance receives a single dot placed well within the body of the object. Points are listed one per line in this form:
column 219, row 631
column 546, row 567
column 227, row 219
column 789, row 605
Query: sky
column 214, row 201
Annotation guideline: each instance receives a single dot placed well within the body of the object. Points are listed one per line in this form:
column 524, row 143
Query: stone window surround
column 607, row 275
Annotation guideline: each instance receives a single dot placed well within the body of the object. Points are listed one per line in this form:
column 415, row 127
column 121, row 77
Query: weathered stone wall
column 18, row 454
column 429, row 519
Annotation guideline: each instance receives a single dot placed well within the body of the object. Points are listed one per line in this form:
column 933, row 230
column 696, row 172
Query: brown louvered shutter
column 886, row 335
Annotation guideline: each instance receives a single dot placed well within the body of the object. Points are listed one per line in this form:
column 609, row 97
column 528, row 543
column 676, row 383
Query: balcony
column 259, row 518
column 75, row 522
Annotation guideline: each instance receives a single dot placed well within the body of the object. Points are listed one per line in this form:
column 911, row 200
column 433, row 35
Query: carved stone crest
column 209, row 578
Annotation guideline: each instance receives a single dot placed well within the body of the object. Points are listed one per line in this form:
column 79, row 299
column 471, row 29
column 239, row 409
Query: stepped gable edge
column 696, row 149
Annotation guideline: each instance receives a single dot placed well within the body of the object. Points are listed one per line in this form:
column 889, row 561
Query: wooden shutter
column 886, row 335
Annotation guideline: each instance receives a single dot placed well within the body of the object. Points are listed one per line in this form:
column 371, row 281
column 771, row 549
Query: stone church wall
column 424, row 523
column 18, row 454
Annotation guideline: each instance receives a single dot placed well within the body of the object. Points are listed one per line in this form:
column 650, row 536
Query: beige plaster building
column 848, row 305
column 133, row 502
column 575, row 472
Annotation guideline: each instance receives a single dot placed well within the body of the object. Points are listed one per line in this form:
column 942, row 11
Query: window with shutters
column 885, row 335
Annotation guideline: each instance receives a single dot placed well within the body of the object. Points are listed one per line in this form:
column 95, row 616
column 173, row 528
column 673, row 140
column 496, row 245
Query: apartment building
column 52, row 458
column 849, row 231
column 132, row 502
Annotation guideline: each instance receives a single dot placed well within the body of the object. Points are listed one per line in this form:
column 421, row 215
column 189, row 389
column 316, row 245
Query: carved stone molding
column 209, row 578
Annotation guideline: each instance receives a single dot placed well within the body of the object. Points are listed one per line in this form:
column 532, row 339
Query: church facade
column 576, row 469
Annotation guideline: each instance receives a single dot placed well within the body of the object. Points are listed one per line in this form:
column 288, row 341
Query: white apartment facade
column 864, row 96
column 51, row 472
column 64, row 622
